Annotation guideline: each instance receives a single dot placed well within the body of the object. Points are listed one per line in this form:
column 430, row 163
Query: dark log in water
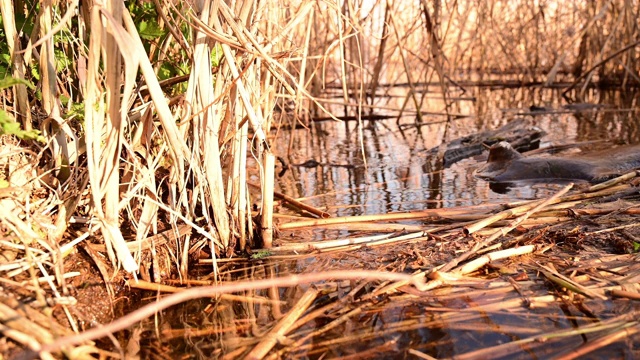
column 520, row 133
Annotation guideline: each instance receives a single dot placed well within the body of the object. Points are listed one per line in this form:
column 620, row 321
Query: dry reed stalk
column 297, row 204
column 414, row 237
column 201, row 95
column 419, row 354
column 326, row 244
column 560, row 203
column 22, row 111
column 375, row 227
column 21, row 329
column 271, row 338
column 503, row 231
column 562, row 214
column 441, row 277
column 543, row 219
column 612, row 182
column 254, row 120
column 26, row 340
column 569, row 284
column 590, row 195
column 239, row 204
column 266, row 220
column 616, row 228
column 94, row 119
column 625, row 294
column 470, row 229
column 505, row 349
column 414, row 215
column 486, row 259
column 625, row 331
column 157, row 240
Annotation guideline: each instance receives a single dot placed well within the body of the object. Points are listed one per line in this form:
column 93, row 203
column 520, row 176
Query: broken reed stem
column 569, row 284
column 414, row 215
column 613, row 181
column 625, row 331
column 271, row 339
column 468, row 230
column 606, row 188
column 301, row 205
column 266, row 220
column 295, row 203
column 442, row 277
column 503, row 231
column 503, row 350
column 350, row 244
column 497, row 255
column 631, row 295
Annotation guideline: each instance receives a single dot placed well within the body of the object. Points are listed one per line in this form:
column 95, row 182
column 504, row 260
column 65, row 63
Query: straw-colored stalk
column 503, row 231
column 414, row 215
column 266, row 218
column 18, row 63
column 270, row 339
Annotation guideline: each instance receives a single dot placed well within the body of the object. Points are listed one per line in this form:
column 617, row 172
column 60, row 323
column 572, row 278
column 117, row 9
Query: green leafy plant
column 261, row 254
column 8, row 125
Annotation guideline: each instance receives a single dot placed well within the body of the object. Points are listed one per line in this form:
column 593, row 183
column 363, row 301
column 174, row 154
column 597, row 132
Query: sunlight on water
column 399, row 176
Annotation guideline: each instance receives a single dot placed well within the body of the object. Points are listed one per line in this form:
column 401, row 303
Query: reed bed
column 130, row 133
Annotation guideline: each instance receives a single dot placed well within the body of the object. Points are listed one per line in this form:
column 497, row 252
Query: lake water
column 391, row 168
column 389, row 171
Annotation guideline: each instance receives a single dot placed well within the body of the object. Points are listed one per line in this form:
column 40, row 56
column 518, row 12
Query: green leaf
column 76, row 111
column 11, row 127
column 261, row 254
column 166, row 71
column 10, row 81
column 6, row 58
column 150, row 30
column 62, row 61
column 216, row 55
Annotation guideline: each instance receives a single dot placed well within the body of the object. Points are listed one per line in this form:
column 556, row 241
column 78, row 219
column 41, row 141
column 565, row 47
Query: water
column 389, row 172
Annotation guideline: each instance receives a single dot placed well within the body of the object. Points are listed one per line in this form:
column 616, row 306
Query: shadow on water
column 396, row 175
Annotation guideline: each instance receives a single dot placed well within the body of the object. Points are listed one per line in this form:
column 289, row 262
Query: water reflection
column 390, row 169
